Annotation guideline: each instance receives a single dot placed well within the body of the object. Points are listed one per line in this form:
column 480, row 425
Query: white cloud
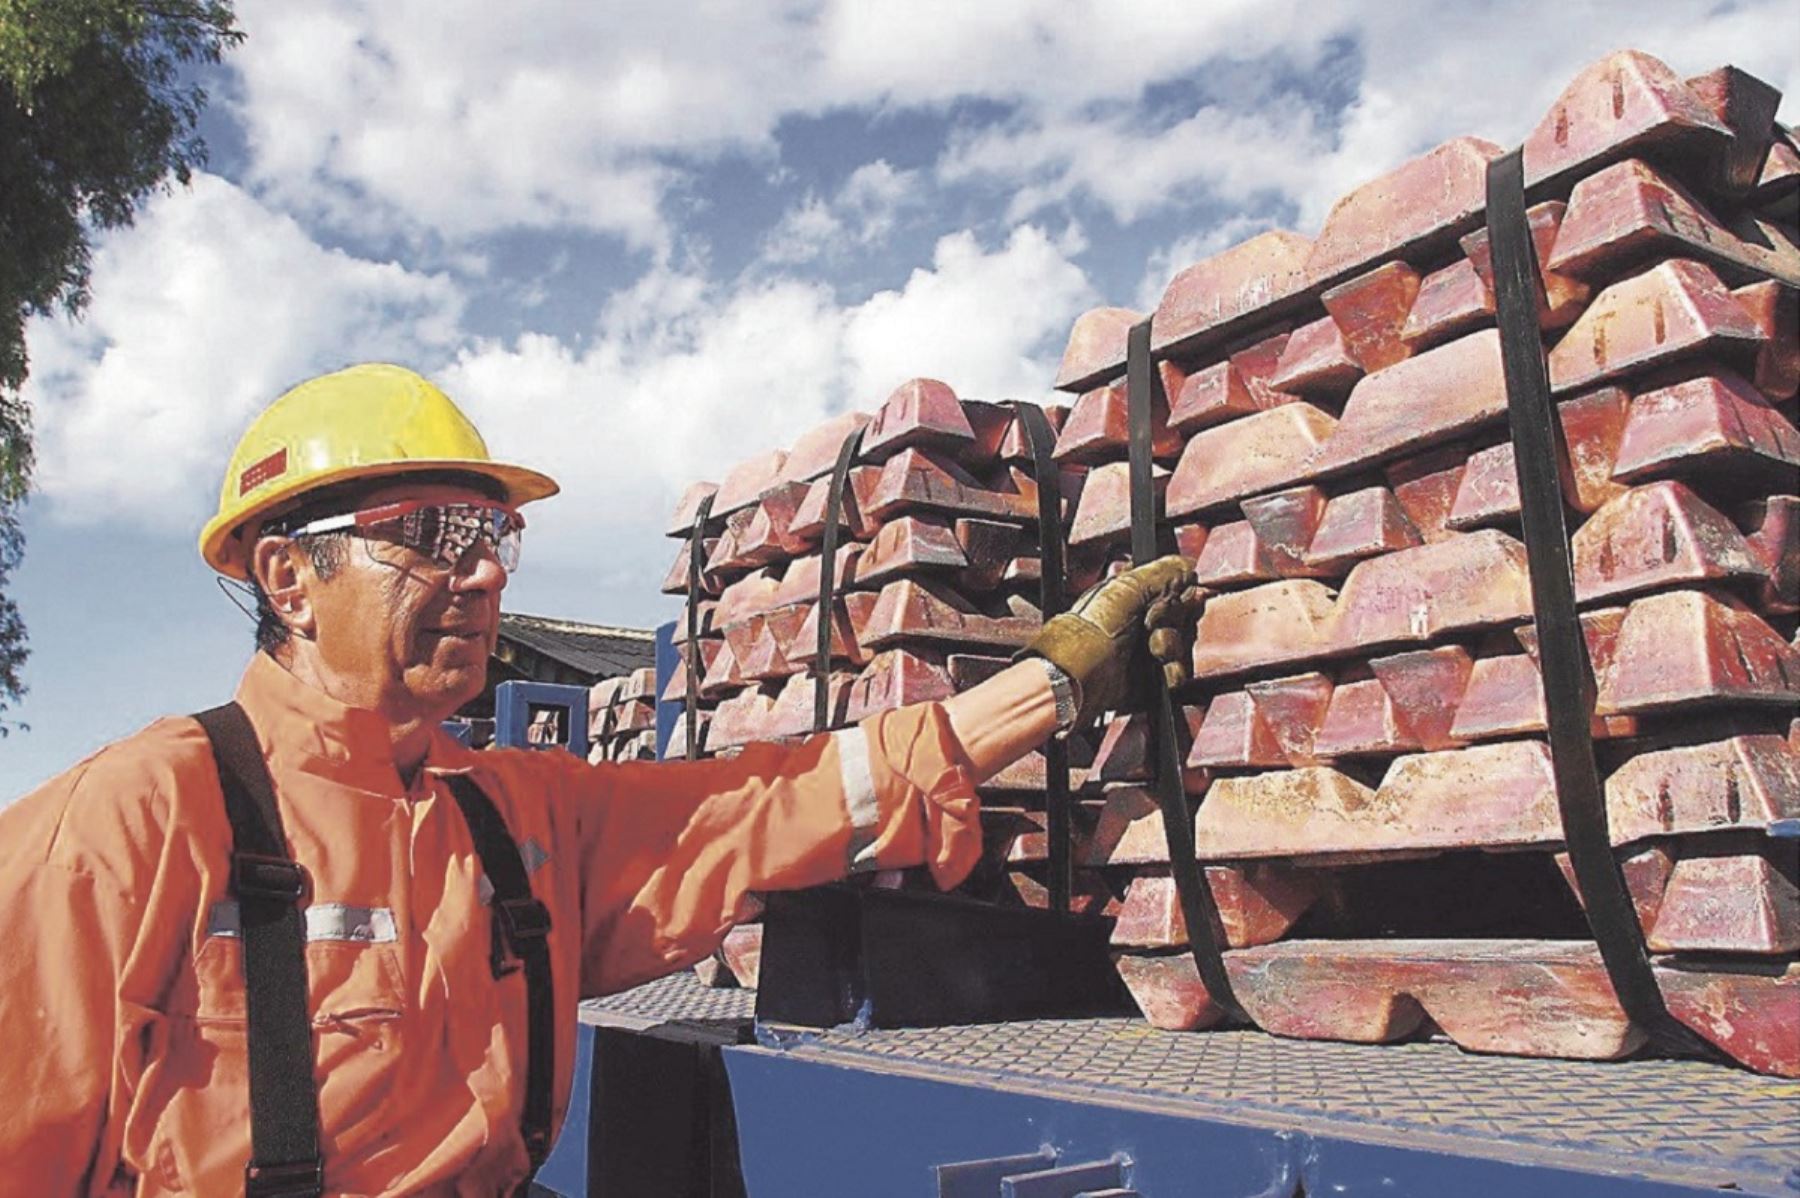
column 862, row 214
column 200, row 315
column 686, row 378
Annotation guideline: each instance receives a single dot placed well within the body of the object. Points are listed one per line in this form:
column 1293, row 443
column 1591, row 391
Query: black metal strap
column 524, row 923
column 1206, row 932
column 834, row 514
column 1562, row 649
column 1052, row 600
column 284, row 1099
column 696, row 551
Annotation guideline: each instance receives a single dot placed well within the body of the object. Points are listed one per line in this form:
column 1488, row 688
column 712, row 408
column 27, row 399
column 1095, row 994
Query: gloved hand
column 1095, row 641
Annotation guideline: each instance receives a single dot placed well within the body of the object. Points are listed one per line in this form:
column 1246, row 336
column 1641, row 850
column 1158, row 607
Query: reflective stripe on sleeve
column 324, row 921
column 859, row 796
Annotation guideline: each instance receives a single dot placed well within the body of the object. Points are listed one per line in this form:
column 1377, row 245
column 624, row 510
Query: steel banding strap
column 284, row 1100
column 696, row 550
column 1206, row 933
column 525, row 924
column 834, row 514
column 1052, row 600
column 1562, row 649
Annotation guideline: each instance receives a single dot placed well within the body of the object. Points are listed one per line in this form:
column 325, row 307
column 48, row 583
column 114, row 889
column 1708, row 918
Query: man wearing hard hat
column 307, row 943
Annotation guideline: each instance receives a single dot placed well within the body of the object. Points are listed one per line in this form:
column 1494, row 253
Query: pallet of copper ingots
column 1365, row 730
column 935, row 586
column 622, row 717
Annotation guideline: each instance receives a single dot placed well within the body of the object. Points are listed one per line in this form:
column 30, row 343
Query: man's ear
column 286, row 577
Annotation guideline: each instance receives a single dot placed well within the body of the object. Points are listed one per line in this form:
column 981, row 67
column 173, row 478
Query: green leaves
column 96, row 111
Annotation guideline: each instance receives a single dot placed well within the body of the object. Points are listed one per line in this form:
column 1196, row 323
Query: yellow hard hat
column 367, row 421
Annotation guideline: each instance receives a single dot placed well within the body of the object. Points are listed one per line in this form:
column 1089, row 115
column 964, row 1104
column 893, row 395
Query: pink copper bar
column 1257, row 453
column 1317, row 363
column 1675, row 310
column 1422, row 401
column 1657, row 536
column 1096, row 350
column 923, row 413
column 1370, row 312
column 1563, row 295
column 1419, row 203
column 1215, row 295
column 1452, row 302
column 1627, row 103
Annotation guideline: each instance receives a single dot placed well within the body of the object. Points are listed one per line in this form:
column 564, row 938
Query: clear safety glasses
column 444, row 532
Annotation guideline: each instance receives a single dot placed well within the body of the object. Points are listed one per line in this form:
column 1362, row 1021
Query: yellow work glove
column 1095, row 641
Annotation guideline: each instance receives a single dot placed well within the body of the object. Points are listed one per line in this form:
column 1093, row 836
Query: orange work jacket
column 121, row 983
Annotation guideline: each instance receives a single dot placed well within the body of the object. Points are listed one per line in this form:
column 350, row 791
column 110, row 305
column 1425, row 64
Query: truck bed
column 1349, row 1118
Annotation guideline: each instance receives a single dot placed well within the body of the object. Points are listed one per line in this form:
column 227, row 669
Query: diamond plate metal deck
column 1681, row 1119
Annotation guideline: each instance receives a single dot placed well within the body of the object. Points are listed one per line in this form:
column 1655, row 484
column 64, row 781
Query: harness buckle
column 289, row 1179
column 258, row 877
column 524, row 919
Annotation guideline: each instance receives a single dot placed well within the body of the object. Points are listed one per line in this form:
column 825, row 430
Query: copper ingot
column 1741, row 903
column 916, row 481
column 1451, row 302
column 1627, row 103
column 1739, row 782
column 1629, row 213
column 1563, row 295
column 1425, row 488
column 1257, row 904
column 1216, row 295
column 913, row 610
column 1316, row 363
column 1232, row 556
column 1365, row 523
column 1279, row 622
column 1098, row 427
column 747, row 481
column 1688, row 647
column 898, row 678
column 1243, row 457
column 921, row 413
column 687, row 509
column 1772, row 531
column 1716, row 425
column 1409, row 210
column 1675, row 310
column 1096, row 350
column 1425, row 400
column 816, row 452
column 1370, row 312
column 909, row 545
column 1657, row 536
column 1472, row 581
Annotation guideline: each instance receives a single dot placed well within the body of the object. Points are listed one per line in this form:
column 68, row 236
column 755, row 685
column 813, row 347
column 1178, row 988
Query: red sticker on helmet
column 258, row 473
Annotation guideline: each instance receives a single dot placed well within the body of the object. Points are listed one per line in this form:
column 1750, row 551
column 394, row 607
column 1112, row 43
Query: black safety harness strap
column 1562, row 649
column 1206, row 932
column 834, row 518
column 284, row 1099
column 696, row 552
column 1052, row 600
column 524, row 924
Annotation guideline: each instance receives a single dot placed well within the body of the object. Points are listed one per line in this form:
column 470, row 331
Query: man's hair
column 328, row 551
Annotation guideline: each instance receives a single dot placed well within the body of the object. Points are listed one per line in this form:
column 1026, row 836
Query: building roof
column 593, row 649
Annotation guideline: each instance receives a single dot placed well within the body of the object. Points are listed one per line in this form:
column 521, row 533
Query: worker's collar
column 303, row 728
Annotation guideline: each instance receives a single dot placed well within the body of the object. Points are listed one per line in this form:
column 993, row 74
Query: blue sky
column 641, row 241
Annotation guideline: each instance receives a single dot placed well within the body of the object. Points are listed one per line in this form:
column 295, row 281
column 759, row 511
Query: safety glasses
column 444, row 532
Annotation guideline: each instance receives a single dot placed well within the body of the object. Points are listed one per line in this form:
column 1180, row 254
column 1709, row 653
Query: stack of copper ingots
column 1374, row 798
column 622, row 717
column 937, row 578
column 1364, row 736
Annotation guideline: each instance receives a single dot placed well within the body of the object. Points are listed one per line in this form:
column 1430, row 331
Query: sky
column 639, row 242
